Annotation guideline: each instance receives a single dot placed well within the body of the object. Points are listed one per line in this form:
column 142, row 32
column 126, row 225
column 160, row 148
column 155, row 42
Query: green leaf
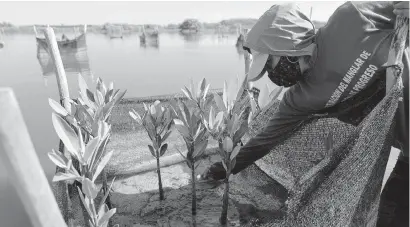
column 180, row 152
column 94, row 128
column 60, row 176
column 201, row 88
column 227, row 144
column 66, row 134
column 90, row 149
column 219, row 119
column 198, row 131
column 101, row 211
column 230, row 124
column 233, row 163
column 219, row 103
column 101, row 86
column 102, row 164
column 135, row 116
column 200, row 148
column 104, row 219
column 164, row 148
column 58, row 159
column 118, row 97
column 145, row 106
column 192, row 90
column 208, row 101
column 103, row 129
column 211, row 118
column 235, row 152
column 81, row 150
column 108, row 96
column 166, row 135
column 152, row 150
column 187, row 93
column 57, row 107
column 73, row 109
column 96, row 157
column 111, row 86
column 89, row 188
column 100, row 98
column 83, row 116
column 83, row 88
column 86, row 205
column 157, row 102
column 91, row 98
column 182, row 129
column 153, row 111
column 187, row 115
column 240, row 132
column 205, row 92
column 225, row 95
column 102, row 201
column 224, row 165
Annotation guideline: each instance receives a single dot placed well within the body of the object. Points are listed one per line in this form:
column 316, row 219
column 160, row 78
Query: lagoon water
column 143, row 71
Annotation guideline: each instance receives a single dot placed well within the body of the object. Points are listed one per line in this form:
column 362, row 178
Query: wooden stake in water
column 24, row 169
column 62, row 187
column 58, row 63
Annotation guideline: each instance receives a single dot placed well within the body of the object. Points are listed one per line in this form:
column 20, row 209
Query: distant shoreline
column 228, row 26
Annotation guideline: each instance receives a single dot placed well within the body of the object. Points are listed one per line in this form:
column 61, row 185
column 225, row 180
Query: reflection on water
column 191, row 37
column 73, row 55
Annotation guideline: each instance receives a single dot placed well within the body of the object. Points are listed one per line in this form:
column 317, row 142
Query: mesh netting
column 314, row 186
column 73, row 54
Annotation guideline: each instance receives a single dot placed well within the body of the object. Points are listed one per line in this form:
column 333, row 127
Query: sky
column 144, row 12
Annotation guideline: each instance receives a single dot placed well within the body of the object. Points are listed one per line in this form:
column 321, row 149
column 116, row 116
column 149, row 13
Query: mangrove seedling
column 228, row 128
column 157, row 122
column 92, row 161
column 200, row 96
column 190, row 126
column 88, row 110
column 228, row 131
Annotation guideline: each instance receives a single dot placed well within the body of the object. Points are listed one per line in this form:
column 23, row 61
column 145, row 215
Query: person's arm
column 281, row 125
column 402, row 114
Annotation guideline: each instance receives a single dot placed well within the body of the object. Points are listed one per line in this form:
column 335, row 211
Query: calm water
column 142, row 71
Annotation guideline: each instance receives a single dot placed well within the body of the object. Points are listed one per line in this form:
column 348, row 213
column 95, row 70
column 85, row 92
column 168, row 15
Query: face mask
column 286, row 73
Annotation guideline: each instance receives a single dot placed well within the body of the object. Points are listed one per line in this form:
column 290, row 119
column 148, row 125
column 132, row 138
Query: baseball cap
column 257, row 65
column 283, row 30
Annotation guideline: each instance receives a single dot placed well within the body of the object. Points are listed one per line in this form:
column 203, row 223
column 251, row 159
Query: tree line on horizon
column 189, row 23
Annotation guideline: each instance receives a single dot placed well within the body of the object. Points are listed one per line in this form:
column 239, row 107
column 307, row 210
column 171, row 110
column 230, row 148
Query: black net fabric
column 73, row 54
column 309, row 185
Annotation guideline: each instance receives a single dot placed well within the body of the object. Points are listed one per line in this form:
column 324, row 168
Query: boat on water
column 72, row 47
column 189, row 31
column 1, row 38
column 149, row 36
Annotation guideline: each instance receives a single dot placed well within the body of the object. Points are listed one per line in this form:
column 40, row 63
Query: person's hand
column 401, row 8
